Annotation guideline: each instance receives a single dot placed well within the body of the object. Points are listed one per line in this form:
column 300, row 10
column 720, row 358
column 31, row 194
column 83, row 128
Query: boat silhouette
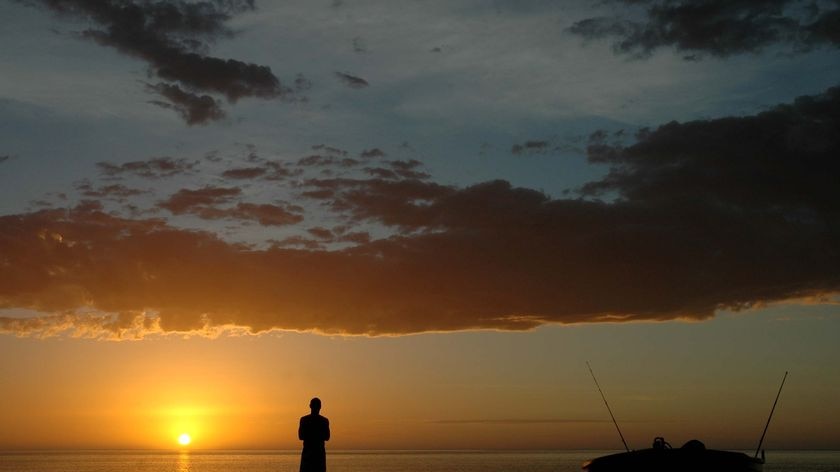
column 691, row 457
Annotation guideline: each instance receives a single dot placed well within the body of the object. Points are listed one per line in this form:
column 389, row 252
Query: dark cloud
column 781, row 162
column 280, row 170
column 410, row 164
column 156, row 167
column 263, row 213
column 408, row 169
column 381, row 172
column 330, row 150
column 717, row 27
column 395, row 203
column 245, row 172
column 351, row 80
column 4, row 158
column 372, row 153
column 172, row 37
column 529, row 147
column 199, row 201
column 321, row 233
column 317, row 160
column 696, row 217
column 209, row 203
column 397, row 170
column 194, row 109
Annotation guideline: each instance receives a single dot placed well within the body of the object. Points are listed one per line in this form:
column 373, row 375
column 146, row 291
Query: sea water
column 353, row 461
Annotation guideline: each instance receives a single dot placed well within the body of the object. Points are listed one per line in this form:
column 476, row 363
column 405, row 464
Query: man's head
column 315, row 404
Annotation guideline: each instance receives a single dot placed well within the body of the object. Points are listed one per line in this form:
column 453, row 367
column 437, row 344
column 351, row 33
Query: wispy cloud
column 520, row 421
column 351, row 81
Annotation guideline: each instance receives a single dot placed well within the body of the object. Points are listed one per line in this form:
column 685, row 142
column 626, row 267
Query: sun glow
column 184, row 439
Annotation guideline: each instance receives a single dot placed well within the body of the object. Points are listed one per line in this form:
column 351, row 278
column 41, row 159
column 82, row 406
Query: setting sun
column 184, row 439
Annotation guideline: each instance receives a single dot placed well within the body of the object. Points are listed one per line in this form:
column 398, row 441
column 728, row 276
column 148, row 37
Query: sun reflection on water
column 184, row 462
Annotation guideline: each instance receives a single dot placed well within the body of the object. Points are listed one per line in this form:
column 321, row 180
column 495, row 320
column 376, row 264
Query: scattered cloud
column 318, row 160
column 330, row 150
column 718, row 28
column 155, row 167
column 199, row 201
column 280, row 170
column 264, row 213
column 208, row 203
column 117, row 191
column 245, row 172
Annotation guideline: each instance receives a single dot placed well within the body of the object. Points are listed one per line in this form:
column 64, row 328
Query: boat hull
column 675, row 460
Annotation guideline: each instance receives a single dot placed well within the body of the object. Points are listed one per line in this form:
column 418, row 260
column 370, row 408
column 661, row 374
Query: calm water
column 367, row 461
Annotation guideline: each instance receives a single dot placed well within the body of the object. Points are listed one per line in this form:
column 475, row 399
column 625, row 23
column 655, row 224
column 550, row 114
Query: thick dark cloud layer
column 695, row 217
column 172, row 37
column 783, row 161
column 717, row 27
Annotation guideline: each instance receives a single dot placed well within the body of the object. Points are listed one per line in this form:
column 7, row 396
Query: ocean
column 353, row 461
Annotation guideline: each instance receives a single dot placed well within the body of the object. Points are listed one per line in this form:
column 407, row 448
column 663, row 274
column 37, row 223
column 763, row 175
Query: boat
column 691, row 457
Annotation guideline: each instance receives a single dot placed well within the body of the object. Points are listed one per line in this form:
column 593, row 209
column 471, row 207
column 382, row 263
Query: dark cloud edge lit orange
column 697, row 217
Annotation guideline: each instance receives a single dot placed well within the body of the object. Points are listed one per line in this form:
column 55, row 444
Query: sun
column 184, row 439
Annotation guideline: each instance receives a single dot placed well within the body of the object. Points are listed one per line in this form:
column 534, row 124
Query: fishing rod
column 761, row 441
column 608, row 407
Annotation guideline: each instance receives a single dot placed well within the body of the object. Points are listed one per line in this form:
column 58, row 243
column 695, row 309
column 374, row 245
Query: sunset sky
column 430, row 214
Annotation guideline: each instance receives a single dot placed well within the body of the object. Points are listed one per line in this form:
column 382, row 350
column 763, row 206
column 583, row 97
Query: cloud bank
column 692, row 218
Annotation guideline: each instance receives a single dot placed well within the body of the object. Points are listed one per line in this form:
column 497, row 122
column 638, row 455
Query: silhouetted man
column 313, row 431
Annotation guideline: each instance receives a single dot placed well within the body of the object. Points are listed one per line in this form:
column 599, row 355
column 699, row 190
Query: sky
column 429, row 214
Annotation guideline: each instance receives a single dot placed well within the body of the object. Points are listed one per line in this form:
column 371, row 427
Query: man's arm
column 326, row 429
column 300, row 430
